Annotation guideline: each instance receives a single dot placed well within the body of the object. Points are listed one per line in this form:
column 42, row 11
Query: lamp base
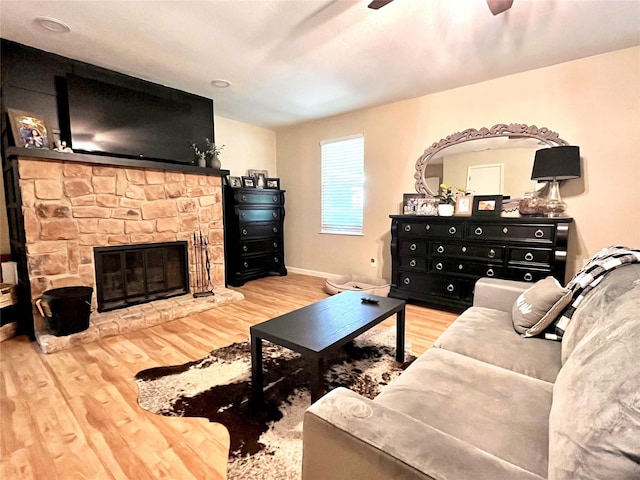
column 553, row 205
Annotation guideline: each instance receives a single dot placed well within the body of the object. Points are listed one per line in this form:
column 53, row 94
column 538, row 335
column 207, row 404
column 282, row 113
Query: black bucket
column 66, row 310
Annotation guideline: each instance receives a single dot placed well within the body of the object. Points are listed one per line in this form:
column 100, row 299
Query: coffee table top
column 327, row 324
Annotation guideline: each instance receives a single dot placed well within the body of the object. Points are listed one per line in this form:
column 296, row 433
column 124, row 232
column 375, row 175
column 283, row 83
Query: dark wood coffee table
column 319, row 328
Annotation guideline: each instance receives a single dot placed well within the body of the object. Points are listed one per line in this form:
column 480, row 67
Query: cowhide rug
column 266, row 439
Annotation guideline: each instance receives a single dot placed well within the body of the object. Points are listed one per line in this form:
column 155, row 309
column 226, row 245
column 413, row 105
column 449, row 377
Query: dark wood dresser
column 437, row 260
column 253, row 234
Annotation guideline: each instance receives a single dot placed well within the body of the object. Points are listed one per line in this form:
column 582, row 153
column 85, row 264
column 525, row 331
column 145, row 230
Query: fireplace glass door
column 131, row 274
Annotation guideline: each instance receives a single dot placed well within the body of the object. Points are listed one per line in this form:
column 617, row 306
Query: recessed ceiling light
column 220, row 83
column 52, row 24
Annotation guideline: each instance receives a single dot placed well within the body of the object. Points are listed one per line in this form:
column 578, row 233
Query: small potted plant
column 447, row 199
column 208, row 157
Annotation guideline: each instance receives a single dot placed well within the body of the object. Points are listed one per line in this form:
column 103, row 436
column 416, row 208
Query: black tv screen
column 152, row 122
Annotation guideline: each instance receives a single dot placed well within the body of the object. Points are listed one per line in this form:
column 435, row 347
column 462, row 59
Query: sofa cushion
column 496, row 410
column 537, row 307
column 487, row 335
column 594, row 426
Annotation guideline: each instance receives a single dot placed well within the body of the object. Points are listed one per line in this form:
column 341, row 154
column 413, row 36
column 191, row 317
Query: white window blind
column 343, row 185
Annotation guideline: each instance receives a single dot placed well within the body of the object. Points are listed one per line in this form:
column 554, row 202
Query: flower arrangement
column 211, row 151
column 448, row 195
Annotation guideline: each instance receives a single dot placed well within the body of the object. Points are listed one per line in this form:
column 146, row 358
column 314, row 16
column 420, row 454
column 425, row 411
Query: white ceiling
column 291, row 61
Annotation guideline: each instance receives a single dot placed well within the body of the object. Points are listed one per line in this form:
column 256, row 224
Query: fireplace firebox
column 131, row 274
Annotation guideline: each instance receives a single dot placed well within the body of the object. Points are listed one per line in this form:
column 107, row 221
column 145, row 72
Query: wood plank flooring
column 74, row 414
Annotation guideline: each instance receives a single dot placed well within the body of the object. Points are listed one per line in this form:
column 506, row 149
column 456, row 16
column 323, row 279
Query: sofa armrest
column 497, row 293
column 347, row 436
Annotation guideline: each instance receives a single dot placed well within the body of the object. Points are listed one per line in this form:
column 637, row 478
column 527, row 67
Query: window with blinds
column 343, row 185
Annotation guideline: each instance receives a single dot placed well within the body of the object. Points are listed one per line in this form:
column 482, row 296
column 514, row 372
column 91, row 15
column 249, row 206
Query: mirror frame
column 517, row 130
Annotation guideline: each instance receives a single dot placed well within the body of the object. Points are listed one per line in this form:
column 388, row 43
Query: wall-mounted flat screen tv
column 149, row 122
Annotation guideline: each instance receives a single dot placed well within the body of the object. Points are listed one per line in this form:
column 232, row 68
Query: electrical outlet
column 374, row 263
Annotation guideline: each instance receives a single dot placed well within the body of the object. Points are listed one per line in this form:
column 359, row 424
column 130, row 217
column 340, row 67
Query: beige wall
column 592, row 102
column 246, row 147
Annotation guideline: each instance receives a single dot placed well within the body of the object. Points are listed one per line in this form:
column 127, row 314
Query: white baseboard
column 312, row 273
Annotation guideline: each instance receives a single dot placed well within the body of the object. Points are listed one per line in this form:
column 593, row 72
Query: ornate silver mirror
column 505, row 149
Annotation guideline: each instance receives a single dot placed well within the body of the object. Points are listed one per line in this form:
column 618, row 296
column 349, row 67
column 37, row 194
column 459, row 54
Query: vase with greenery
column 208, row 156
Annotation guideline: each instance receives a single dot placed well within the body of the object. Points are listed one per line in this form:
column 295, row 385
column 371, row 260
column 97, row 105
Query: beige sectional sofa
column 487, row 403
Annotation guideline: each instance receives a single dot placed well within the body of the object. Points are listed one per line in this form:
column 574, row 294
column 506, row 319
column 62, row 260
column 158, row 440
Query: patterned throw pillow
column 537, row 307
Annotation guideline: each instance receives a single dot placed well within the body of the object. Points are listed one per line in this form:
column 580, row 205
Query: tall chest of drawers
column 437, row 260
column 253, row 231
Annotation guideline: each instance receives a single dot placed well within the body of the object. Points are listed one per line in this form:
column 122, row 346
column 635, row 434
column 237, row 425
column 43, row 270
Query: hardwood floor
column 74, row 414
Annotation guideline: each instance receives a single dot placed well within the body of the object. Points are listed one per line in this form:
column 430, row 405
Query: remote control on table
column 369, row 300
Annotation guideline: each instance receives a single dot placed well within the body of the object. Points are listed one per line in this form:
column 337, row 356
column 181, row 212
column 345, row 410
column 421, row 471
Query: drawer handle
column 528, row 256
column 275, row 198
column 505, row 230
column 539, row 233
column 450, row 288
column 478, row 231
column 275, row 229
column 528, row 277
column 244, row 198
column 413, row 263
column 246, row 264
column 243, row 215
column 427, row 227
column 492, row 253
column 406, row 281
column 460, row 266
column 275, row 244
column 245, row 248
column 413, row 247
column 452, row 230
column 440, row 249
column 439, row 266
column 274, row 214
column 276, row 259
column 464, row 249
column 244, row 231
column 490, row 272
column 407, row 228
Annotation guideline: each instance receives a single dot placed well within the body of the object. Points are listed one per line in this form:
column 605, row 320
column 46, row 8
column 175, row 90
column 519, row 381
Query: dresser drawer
column 430, row 229
column 463, row 267
column 531, row 255
column 511, row 232
column 257, row 197
column 488, row 252
column 418, row 264
column 262, row 262
column 412, row 247
column 527, row 274
column 249, row 215
column 267, row 245
column 260, row 230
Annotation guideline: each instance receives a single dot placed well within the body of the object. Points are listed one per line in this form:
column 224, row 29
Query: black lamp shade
column 559, row 163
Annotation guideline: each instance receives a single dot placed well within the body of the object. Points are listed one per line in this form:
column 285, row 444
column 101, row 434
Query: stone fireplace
column 71, row 209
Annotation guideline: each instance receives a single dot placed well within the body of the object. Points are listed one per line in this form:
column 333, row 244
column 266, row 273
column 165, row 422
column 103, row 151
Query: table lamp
column 553, row 164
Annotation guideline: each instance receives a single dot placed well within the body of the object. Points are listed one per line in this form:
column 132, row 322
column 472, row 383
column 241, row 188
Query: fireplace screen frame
column 144, row 260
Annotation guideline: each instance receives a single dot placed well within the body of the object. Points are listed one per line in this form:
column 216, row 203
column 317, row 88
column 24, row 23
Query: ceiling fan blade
column 499, row 6
column 376, row 4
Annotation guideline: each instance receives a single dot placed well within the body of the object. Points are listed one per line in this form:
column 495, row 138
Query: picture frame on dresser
column 464, row 205
column 487, row 205
column 30, row 130
column 248, row 182
column 234, row 182
column 272, row 183
column 410, row 203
